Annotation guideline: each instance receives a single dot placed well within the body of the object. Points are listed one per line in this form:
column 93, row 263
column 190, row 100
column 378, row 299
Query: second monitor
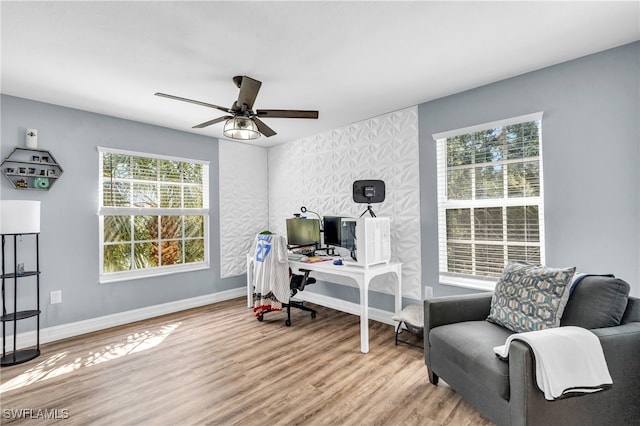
column 332, row 230
column 338, row 232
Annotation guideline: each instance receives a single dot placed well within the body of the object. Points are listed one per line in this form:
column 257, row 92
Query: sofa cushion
column 530, row 297
column 596, row 301
column 469, row 346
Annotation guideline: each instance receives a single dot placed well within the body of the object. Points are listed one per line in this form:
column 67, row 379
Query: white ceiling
column 349, row 60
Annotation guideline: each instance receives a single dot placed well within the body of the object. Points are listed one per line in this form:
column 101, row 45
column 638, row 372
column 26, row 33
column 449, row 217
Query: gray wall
column 591, row 143
column 591, row 155
column 69, row 221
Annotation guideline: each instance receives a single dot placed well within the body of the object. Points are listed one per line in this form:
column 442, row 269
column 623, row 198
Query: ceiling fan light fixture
column 242, row 128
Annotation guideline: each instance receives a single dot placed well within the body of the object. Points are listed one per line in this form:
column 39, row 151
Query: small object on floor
column 412, row 316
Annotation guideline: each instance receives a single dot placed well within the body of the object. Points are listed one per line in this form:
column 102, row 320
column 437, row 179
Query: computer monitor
column 303, row 232
column 339, row 231
column 332, row 230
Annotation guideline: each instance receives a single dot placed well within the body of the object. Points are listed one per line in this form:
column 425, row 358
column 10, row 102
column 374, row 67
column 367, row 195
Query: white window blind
column 490, row 199
column 153, row 214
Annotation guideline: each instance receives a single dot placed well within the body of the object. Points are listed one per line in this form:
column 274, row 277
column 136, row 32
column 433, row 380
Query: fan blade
column 178, row 98
column 249, row 89
column 263, row 128
column 286, row 113
column 210, row 122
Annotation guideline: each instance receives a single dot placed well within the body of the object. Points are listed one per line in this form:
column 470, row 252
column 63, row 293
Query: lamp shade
column 19, row 217
column 242, row 128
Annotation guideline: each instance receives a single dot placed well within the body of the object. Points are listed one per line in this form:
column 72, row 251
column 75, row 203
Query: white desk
column 362, row 277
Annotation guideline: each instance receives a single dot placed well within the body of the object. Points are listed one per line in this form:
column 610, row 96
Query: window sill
column 129, row 276
column 470, row 283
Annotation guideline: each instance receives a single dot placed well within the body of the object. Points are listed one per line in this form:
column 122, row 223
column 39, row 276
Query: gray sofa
column 458, row 347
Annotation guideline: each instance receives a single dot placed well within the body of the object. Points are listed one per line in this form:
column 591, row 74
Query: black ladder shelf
column 18, row 356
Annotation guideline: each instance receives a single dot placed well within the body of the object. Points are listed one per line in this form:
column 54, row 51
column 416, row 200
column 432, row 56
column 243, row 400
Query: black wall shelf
column 34, row 169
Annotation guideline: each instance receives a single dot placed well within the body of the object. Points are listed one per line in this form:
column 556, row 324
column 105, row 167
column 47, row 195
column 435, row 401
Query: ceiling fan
column 242, row 122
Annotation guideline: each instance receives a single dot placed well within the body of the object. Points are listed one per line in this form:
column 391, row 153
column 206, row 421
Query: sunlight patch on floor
column 57, row 364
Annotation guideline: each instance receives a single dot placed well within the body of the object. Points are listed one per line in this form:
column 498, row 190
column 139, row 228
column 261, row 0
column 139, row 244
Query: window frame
column 103, row 211
column 474, row 281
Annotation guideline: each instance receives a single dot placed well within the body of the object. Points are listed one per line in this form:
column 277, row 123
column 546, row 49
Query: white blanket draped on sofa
column 569, row 361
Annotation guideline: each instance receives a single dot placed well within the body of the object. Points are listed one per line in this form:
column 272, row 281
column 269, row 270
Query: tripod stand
column 370, row 210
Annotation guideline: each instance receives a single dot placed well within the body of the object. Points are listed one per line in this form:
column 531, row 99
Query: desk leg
column 249, row 283
column 364, row 314
column 399, row 291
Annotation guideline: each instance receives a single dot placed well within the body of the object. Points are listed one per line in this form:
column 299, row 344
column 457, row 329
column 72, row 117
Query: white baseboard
column 63, row 331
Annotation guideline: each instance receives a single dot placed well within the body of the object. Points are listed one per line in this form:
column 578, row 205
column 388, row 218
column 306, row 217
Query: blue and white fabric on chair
column 270, row 273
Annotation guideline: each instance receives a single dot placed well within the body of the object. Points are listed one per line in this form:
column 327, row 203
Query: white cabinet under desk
column 361, row 275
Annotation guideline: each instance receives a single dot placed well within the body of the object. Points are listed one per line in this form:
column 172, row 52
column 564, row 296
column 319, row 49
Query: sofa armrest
column 452, row 309
column 618, row 334
column 618, row 405
column 449, row 310
column 632, row 313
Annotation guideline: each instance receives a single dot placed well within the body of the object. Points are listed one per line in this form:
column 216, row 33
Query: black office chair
column 296, row 283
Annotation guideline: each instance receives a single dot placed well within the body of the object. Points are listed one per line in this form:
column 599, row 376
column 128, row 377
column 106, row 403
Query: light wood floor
column 218, row 365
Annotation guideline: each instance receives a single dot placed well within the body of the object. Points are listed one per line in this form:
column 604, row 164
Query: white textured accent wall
column 318, row 172
column 244, row 203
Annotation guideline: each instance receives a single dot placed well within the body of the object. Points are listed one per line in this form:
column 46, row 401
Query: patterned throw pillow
column 528, row 298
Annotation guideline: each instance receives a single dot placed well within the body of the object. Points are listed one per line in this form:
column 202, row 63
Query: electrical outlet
column 428, row 292
column 56, row 296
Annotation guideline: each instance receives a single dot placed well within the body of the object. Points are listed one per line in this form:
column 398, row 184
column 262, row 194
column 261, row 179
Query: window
column 490, row 199
column 153, row 214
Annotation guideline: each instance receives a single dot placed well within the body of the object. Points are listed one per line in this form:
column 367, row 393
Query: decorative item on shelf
column 44, row 159
column 35, row 158
column 10, row 170
column 22, row 170
column 21, row 183
column 41, row 183
column 51, row 172
column 32, row 139
column 19, row 217
column 32, row 171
